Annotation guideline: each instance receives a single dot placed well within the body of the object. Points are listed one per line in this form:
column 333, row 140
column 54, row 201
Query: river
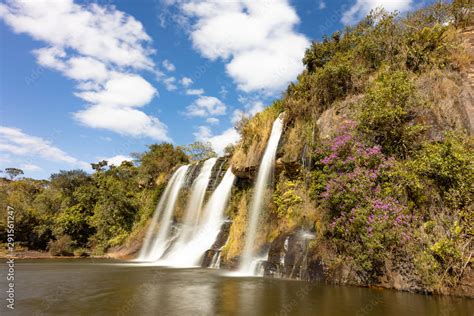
column 108, row 287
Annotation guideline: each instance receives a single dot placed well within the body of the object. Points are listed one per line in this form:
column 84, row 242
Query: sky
column 83, row 81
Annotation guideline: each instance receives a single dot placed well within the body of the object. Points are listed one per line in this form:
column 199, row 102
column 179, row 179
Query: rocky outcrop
column 289, row 257
column 221, row 239
column 217, row 173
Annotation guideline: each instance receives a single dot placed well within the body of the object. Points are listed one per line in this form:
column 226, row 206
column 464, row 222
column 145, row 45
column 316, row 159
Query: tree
column 200, row 151
column 160, row 158
column 99, row 166
column 13, row 172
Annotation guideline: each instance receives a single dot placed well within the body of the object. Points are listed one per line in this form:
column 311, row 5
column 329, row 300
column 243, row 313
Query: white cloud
column 101, row 48
column 256, row 39
column 168, row 65
column 223, row 92
column 186, row 81
column 122, row 90
column 170, row 83
column 123, row 120
column 251, row 107
column 321, row 5
column 362, row 7
column 206, row 106
column 194, row 91
column 15, row 142
column 103, row 33
column 30, row 167
column 212, row 120
column 219, row 142
column 116, row 160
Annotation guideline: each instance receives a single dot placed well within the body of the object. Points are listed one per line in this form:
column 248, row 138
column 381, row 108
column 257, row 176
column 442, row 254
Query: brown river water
column 107, row 287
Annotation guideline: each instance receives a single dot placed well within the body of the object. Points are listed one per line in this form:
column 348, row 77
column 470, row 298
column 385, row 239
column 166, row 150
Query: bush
column 387, row 114
column 61, row 247
column 351, row 183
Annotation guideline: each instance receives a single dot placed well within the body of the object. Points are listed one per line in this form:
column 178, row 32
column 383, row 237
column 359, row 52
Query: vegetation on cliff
column 377, row 155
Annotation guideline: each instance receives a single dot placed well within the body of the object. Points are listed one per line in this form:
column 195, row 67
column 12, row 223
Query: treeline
column 75, row 212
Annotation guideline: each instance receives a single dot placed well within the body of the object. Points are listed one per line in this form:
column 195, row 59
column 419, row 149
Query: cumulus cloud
column 220, row 141
column 122, row 90
column 194, row 91
column 123, row 120
column 116, row 160
column 102, row 49
column 30, row 167
column 360, row 9
column 256, row 39
column 168, row 65
column 15, row 142
column 170, row 83
column 186, row 81
column 206, row 106
column 212, row 120
column 251, row 107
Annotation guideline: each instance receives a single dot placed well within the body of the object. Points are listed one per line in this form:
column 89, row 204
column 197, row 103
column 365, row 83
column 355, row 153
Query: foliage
column 160, row 158
column 75, row 209
column 254, row 133
column 350, row 180
column 387, row 114
column 427, row 47
column 199, row 151
column 13, row 172
column 61, row 247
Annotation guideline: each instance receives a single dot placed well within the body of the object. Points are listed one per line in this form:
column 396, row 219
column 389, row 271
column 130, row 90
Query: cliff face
column 404, row 105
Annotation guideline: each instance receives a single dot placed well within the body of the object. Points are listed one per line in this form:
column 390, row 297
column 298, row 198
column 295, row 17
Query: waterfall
column 204, row 235
column 192, row 214
column 216, row 260
column 153, row 246
column 263, row 178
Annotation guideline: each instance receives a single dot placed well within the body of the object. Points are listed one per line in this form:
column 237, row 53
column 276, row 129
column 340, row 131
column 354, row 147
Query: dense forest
column 377, row 159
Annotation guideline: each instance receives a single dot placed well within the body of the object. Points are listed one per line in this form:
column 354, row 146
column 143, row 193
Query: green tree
column 200, row 151
column 159, row 159
column 13, row 172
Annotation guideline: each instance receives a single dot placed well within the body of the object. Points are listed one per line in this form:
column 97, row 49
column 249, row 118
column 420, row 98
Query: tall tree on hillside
column 13, row 172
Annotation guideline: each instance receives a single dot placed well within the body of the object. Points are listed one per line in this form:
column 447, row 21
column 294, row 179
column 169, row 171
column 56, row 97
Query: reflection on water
column 87, row 287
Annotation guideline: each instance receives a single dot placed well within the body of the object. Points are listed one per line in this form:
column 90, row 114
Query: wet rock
column 208, row 257
column 223, row 235
column 289, row 257
column 217, row 173
column 221, row 240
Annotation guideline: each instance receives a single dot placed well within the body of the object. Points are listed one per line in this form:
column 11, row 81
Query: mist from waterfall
column 156, row 243
column 261, row 185
column 192, row 215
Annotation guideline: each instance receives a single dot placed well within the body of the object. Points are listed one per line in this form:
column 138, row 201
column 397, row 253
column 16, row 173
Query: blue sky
column 88, row 80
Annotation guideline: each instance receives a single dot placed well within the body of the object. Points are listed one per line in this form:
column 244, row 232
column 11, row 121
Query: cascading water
column 155, row 244
column 263, row 178
column 191, row 215
column 216, row 260
column 208, row 227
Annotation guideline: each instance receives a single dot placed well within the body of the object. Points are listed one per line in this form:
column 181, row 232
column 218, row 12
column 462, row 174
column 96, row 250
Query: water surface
column 105, row 287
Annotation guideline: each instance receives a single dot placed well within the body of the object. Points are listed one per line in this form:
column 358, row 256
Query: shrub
column 387, row 114
column 427, row 48
column 364, row 221
column 61, row 247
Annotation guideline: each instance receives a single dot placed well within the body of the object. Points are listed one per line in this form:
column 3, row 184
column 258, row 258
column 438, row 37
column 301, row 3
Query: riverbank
column 34, row 254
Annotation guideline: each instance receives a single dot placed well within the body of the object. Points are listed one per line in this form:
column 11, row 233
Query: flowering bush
column 351, row 182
